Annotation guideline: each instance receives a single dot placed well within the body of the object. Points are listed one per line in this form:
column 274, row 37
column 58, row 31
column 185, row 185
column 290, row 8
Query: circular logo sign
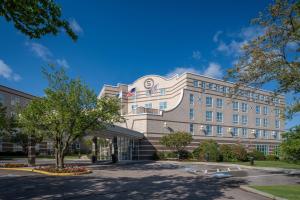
column 148, row 83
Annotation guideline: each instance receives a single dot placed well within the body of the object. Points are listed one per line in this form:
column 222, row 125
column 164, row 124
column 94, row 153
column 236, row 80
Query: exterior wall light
column 201, row 127
column 165, row 124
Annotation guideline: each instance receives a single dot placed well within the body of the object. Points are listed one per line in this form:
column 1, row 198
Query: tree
column 68, row 111
column 290, row 147
column 35, row 18
column 7, row 124
column 274, row 55
column 208, row 150
column 226, row 152
column 176, row 141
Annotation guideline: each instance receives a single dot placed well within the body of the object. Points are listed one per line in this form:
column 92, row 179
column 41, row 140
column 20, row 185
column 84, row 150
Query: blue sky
column 119, row 41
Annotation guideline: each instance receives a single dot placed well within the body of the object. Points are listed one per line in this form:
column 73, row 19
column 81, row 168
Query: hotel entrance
column 116, row 144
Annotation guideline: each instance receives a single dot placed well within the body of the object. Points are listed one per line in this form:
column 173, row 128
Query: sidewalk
column 274, row 169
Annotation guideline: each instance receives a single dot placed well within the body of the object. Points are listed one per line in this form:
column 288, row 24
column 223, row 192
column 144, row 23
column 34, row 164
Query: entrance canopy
column 114, row 130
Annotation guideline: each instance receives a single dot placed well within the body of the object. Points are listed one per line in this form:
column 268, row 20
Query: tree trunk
column 59, row 158
column 31, row 152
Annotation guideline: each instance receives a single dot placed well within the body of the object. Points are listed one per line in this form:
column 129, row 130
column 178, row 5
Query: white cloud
column 197, row 55
column 217, row 35
column 46, row 55
column 213, row 70
column 75, row 26
column 181, row 70
column 63, row 63
column 7, row 73
column 237, row 40
column 40, row 50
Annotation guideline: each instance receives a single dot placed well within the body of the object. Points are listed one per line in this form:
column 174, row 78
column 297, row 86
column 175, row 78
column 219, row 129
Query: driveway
column 135, row 181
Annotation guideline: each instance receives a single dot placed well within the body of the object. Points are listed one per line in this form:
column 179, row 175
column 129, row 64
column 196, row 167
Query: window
column 210, row 86
column 276, row 135
column 191, row 99
column 277, row 112
column 219, row 117
column 257, row 121
column 148, row 93
column 277, row 123
column 209, row 101
column 266, row 110
column 257, row 133
column 244, row 132
column 235, row 132
column 1, row 98
column 257, row 110
column 219, row 103
column 265, row 122
column 219, row 130
column 192, row 129
column 14, row 100
column 235, row 119
column 244, row 107
column 196, row 83
column 208, row 116
column 148, row 105
column 163, row 105
column 265, row 134
column 191, row 114
column 162, row 91
column 235, row 105
column 263, row 148
column 203, row 85
column 244, row 119
column 208, row 130
column 134, row 107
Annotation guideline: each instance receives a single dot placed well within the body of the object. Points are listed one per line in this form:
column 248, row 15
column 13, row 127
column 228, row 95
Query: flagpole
column 121, row 95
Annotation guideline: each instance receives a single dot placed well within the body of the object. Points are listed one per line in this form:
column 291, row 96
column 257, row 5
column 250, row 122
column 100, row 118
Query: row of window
column 227, row 90
column 236, row 106
column 242, row 132
column 14, row 100
column 235, row 118
column 162, row 105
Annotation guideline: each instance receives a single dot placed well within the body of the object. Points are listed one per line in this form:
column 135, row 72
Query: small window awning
column 116, row 130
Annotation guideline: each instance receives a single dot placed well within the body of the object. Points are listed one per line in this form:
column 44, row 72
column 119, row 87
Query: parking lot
column 151, row 180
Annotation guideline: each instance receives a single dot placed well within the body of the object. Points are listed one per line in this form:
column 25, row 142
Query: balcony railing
column 142, row 110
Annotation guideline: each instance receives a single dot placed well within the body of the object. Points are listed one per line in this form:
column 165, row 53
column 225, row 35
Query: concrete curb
column 47, row 173
column 283, row 170
column 249, row 189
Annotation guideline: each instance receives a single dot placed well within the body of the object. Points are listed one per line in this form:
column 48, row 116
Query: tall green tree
column 8, row 124
column 177, row 141
column 290, row 147
column 68, row 111
column 35, row 18
column 274, row 55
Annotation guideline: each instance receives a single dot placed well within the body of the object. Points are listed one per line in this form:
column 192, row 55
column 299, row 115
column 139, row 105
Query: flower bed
column 68, row 169
column 13, row 165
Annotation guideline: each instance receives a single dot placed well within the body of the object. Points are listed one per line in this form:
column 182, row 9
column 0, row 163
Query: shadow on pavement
column 86, row 187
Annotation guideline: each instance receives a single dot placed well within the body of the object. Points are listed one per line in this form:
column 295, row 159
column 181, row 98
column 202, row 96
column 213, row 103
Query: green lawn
column 291, row 192
column 265, row 163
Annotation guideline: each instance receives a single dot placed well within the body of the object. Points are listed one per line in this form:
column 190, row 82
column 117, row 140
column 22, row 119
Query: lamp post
column 251, row 157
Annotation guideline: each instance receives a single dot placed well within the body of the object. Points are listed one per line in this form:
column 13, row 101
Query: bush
column 226, row 153
column 272, row 157
column 239, row 152
column 257, row 155
column 208, row 151
column 185, row 155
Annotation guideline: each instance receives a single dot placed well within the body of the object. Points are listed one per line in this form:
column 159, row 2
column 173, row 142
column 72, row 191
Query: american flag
column 131, row 92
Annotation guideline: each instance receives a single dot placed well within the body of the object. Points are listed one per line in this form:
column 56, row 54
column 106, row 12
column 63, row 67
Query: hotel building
column 11, row 99
column 203, row 106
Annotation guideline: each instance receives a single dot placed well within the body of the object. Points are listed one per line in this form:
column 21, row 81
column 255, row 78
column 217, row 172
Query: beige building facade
column 203, row 106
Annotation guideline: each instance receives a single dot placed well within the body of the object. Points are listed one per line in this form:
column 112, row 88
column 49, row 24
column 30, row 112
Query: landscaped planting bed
column 13, row 165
